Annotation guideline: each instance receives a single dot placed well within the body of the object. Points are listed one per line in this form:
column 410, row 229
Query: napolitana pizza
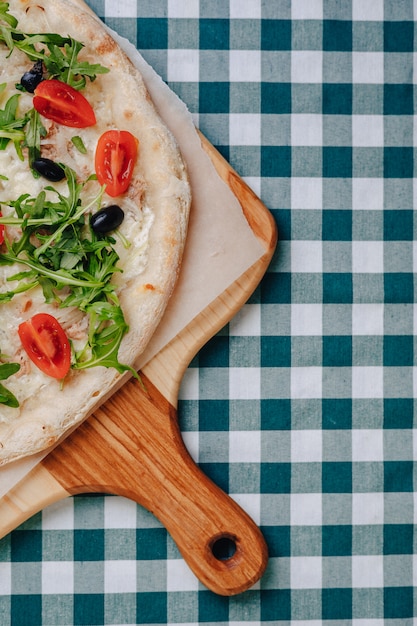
column 94, row 202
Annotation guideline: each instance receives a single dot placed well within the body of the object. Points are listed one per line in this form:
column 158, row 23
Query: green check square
column 398, row 225
column 151, row 544
column 337, row 604
column 337, row 225
column 398, row 99
column 398, row 413
column 26, row 609
column 337, row 162
column 398, row 162
column 398, row 476
column 276, row 414
column 337, row 288
column 214, row 97
column 88, row 544
column 337, row 351
column 399, row 287
column 275, row 478
column 276, row 98
column 337, row 99
column 88, row 609
column 337, row 540
column 152, row 33
column 398, row 350
column 276, row 34
column 275, row 351
column 337, row 477
column 337, row 413
column 26, row 546
column 337, row 35
column 278, row 539
column 398, row 36
column 275, row 605
column 398, row 603
column 151, row 607
column 212, row 608
column 214, row 34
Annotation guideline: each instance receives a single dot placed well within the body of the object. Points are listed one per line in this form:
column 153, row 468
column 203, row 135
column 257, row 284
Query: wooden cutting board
column 132, row 445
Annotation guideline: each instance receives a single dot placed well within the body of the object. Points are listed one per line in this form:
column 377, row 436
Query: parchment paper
column 220, row 245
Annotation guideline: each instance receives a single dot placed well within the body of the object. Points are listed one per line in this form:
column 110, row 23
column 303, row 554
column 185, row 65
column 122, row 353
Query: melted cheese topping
column 135, row 227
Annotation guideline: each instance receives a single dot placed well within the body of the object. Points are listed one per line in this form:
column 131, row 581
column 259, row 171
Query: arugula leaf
column 35, row 131
column 5, row 16
column 73, row 265
column 11, row 126
column 7, row 370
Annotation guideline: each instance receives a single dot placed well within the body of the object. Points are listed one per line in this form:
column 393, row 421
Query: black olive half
column 107, row 219
column 31, row 79
column 48, row 169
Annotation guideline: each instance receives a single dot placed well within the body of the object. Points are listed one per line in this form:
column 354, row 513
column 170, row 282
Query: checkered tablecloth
column 302, row 408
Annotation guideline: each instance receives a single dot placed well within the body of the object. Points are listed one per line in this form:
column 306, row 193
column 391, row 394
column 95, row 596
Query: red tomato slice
column 62, row 103
column 116, row 154
column 46, row 344
column 1, row 232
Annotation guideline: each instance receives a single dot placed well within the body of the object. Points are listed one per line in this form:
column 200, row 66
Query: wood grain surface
column 132, row 445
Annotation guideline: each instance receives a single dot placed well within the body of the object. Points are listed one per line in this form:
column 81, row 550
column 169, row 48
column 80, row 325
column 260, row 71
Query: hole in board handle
column 223, row 548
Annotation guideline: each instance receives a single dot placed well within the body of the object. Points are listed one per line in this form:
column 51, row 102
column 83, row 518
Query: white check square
column 306, row 319
column 368, row 10
column 123, row 8
column 367, row 445
column 306, row 572
column 244, row 383
column 244, row 446
column 246, row 322
column 367, row 130
column 245, row 9
column 368, row 194
column 120, row 576
column 306, row 193
column 119, row 513
column 368, row 67
column 306, row 256
column 307, row 9
column 180, row 577
column 306, row 382
column 244, row 129
column 367, row 508
column 57, row 577
column 183, row 8
column 306, row 509
column 368, row 257
column 306, row 446
column 306, row 129
column 245, row 66
column 5, row 578
column 189, row 389
column 368, row 319
column 183, row 65
column 59, row 515
column 367, row 382
column 306, row 66
column 367, row 571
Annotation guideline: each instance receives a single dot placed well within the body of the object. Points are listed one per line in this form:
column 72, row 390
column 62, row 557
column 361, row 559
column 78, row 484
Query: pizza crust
column 160, row 191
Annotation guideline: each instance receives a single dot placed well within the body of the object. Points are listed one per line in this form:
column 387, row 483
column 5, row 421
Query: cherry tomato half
column 1, row 232
column 116, row 153
column 46, row 344
column 62, row 103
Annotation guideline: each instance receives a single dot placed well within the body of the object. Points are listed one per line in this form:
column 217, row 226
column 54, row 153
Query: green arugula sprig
column 12, row 126
column 72, row 264
column 58, row 54
column 6, row 396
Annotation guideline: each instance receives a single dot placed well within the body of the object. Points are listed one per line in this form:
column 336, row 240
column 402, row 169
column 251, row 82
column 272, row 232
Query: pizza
column 94, row 207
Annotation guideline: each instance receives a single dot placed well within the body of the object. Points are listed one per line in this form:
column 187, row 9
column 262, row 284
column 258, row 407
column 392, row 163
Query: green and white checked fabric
column 303, row 407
